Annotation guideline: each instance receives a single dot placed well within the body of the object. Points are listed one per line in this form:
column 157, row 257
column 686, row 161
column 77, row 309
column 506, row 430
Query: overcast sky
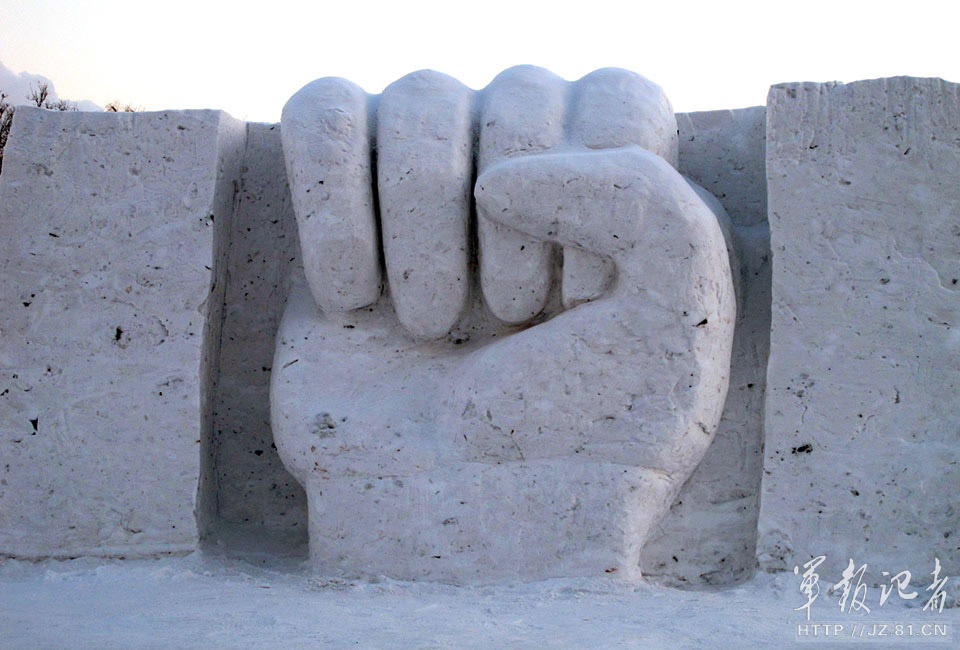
column 248, row 58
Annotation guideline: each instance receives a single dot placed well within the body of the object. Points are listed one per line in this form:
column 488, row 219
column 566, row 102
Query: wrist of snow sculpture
column 513, row 411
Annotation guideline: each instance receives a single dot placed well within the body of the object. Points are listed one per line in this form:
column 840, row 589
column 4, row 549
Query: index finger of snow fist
column 616, row 108
column 613, row 108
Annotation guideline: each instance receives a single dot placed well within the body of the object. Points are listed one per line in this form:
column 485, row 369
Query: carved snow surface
column 862, row 421
column 114, row 232
column 434, row 439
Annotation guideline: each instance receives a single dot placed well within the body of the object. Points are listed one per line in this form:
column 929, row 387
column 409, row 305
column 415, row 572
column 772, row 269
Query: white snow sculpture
column 490, row 409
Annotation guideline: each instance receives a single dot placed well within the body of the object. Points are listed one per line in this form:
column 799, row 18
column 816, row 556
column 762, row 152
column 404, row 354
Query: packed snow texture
column 208, row 600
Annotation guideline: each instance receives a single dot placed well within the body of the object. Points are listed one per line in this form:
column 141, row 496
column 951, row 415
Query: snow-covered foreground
column 207, row 600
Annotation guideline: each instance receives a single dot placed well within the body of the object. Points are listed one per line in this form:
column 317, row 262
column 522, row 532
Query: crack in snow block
column 709, row 536
column 862, row 418
column 112, row 249
column 477, row 449
column 252, row 486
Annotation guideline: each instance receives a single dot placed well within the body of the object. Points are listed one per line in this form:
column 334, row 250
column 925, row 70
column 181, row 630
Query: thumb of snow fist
column 512, row 376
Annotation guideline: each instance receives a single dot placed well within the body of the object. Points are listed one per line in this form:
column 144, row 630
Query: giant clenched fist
column 543, row 362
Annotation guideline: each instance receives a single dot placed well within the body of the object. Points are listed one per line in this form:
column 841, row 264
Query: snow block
column 112, row 248
column 862, row 422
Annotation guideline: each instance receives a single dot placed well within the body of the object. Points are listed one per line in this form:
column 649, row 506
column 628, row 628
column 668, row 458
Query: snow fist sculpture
column 496, row 408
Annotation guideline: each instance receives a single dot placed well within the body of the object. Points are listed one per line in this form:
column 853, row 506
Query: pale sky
column 249, row 57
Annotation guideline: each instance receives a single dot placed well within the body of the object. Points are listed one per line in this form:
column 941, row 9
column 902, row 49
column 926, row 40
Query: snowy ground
column 208, row 600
